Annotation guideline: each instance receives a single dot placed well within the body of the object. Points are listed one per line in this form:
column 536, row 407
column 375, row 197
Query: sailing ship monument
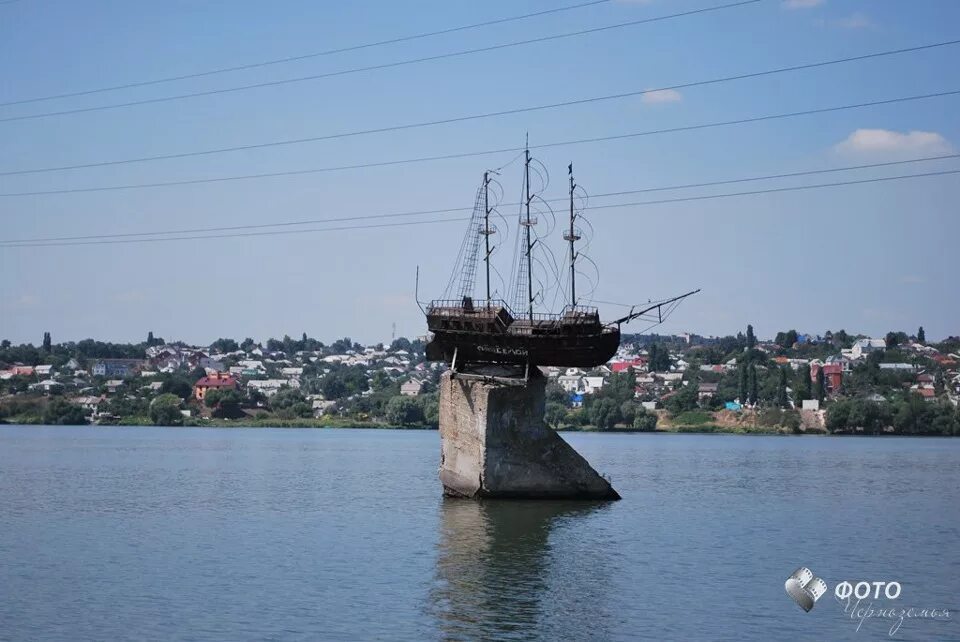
column 469, row 332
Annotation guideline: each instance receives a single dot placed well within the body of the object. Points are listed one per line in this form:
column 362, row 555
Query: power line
column 389, row 65
column 423, row 159
column 494, row 114
column 775, row 190
column 406, row 223
column 450, row 210
column 270, row 233
column 318, row 54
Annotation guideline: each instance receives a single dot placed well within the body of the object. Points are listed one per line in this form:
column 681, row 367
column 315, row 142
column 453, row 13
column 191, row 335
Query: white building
column 411, row 388
column 862, row 347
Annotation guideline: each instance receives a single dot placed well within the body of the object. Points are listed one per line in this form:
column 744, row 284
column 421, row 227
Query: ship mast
column 486, row 228
column 572, row 237
column 526, row 234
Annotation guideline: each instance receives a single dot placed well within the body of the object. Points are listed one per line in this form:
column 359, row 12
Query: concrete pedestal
column 494, row 443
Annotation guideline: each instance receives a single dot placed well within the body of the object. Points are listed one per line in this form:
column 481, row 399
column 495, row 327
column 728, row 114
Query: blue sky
column 867, row 258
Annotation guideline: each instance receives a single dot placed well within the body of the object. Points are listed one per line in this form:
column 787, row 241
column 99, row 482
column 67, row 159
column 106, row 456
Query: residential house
column 637, row 363
column 862, row 347
column 43, row 371
column 270, row 387
column 322, row 407
column 899, row 367
column 592, row 385
column 570, row 383
column 706, row 390
column 252, row 365
column 116, row 367
column 47, row 385
column 832, row 375
column 88, row 403
column 411, row 388
column 113, row 385
column 218, row 381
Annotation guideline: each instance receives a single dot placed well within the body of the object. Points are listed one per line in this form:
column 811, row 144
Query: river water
column 249, row 534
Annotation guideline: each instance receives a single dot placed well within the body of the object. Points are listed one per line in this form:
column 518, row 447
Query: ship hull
column 580, row 351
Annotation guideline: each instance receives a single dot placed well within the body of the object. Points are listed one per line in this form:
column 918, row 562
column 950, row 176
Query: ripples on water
column 205, row 534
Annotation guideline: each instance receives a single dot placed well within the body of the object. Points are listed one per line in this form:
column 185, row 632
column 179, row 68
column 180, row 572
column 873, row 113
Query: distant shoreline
column 319, row 425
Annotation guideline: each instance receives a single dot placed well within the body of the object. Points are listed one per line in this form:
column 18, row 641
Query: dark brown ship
column 466, row 331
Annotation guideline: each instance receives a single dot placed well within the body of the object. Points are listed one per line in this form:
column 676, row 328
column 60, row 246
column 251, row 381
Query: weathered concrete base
column 494, row 443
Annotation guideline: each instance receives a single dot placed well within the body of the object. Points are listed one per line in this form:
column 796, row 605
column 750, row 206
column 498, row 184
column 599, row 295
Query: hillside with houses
column 794, row 383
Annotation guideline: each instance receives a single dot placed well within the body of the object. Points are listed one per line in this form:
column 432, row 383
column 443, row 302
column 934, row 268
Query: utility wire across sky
column 489, row 152
column 307, row 56
column 451, row 210
column 389, row 65
column 113, row 239
column 517, row 110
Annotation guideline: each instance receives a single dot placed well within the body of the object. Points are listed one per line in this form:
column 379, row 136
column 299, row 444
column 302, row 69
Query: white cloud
column 911, row 279
column 801, row 4
column 25, row 302
column 886, row 142
column 660, row 96
column 855, row 21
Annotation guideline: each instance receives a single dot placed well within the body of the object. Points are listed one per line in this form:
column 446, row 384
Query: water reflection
column 496, row 566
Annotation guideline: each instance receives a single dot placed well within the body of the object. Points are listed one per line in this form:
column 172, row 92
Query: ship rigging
column 489, row 331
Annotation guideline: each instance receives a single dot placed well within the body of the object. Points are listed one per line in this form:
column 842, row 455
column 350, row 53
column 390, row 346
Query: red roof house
column 216, row 381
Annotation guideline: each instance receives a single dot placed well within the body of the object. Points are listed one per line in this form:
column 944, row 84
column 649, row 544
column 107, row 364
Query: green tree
column 684, row 400
column 782, row 399
column 658, row 358
column 177, row 385
column 802, row 388
column 838, row 415
column 62, row 413
column 786, row 339
column 225, row 403
column 165, row 411
column 921, row 335
column 604, row 414
column 644, row 420
column 742, row 383
column 380, row 381
column 430, row 403
column 47, row 343
column 289, row 403
column 753, row 392
column 751, row 338
column 819, row 388
column 404, row 411
column 554, row 414
column 224, row 345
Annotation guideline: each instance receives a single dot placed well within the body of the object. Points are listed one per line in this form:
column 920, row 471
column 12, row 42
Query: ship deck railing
column 455, row 307
column 579, row 314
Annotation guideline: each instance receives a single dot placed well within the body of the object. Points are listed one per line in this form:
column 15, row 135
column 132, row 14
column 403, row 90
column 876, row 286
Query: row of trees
column 909, row 415
column 613, row 407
